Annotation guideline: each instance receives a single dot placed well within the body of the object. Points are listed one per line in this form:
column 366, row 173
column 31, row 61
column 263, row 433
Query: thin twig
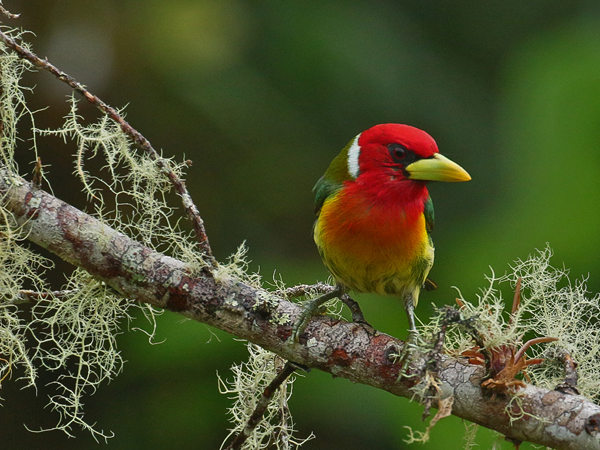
column 433, row 364
column 7, row 13
column 138, row 140
column 28, row 296
column 262, row 404
column 37, row 174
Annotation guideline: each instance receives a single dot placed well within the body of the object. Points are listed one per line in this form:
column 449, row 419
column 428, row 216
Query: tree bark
column 353, row 351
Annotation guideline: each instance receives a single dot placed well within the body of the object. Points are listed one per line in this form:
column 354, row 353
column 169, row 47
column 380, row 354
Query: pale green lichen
column 77, row 339
column 551, row 306
column 470, row 435
column 237, row 268
column 134, row 186
column 554, row 306
column 267, row 303
column 20, row 267
column 276, row 429
column 72, row 337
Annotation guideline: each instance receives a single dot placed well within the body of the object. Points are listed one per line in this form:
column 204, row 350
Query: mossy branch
column 137, row 138
column 348, row 350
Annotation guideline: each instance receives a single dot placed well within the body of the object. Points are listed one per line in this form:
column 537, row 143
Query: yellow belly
column 379, row 250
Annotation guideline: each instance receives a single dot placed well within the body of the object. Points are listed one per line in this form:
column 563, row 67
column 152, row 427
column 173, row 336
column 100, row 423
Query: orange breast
column 368, row 247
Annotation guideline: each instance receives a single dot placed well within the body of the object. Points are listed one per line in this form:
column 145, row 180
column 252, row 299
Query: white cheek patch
column 353, row 154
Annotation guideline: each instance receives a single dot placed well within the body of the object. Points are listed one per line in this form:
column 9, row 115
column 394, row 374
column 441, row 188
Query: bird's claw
column 309, row 310
column 410, row 348
column 357, row 314
column 312, row 308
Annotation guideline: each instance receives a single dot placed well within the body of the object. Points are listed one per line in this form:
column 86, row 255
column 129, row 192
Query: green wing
column 429, row 215
column 429, row 284
column 323, row 189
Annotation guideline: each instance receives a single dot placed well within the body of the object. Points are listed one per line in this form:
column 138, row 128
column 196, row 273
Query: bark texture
column 353, row 351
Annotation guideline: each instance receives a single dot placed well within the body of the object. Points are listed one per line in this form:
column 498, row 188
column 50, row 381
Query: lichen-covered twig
column 516, row 299
column 29, row 296
column 138, row 140
column 7, row 13
column 37, row 174
column 262, row 404
column 434, row 359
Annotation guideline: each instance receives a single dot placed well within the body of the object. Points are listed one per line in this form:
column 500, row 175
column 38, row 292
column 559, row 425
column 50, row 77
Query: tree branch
column 347, row 350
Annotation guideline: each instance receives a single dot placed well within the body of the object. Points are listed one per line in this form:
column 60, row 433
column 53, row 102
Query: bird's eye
column 397, row 151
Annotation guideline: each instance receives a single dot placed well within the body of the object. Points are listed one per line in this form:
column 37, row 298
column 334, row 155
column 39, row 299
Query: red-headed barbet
column 374, row 217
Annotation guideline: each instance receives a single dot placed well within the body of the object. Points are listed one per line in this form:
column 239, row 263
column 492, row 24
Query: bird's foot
column 354, row 307
column 408, row 352
column 309, row 309
column 312, row 308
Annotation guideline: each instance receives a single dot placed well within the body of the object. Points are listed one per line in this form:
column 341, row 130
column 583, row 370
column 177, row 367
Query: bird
column 375, row 216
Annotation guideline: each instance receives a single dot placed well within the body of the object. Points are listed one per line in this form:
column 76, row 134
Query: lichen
column 276, row 429
column 551, row 306
column 71, row 331
column 237, row 268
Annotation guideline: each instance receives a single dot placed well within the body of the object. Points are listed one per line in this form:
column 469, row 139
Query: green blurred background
column 261, row 95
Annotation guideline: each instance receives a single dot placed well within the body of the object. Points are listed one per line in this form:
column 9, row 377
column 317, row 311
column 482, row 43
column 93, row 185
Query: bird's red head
column 394, row 152
column 391, row 147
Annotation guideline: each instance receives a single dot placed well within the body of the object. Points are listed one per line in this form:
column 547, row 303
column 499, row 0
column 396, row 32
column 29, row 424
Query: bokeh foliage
column 261, row 96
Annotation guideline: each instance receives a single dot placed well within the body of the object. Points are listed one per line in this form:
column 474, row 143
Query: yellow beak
column 437, row 168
